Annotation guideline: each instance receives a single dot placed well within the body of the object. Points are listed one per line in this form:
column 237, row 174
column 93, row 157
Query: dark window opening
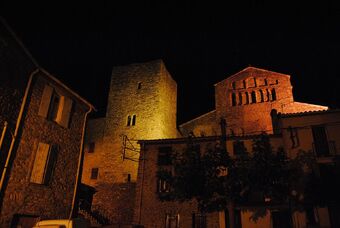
column 54, row 107
column 253, row 97
column 199, row 221
column 94, row 173
column 129, row 177
column 244, row 84
column 239, row 98
column 91, row 147
column 133, row 120
column 163, row 186
column 247, row 98
column 128, row 123
column 164, row 155
column 233, row 99
column 233, row 85
column 320, row 145
column 139, row 86
column 273, row 95
column 239, row 148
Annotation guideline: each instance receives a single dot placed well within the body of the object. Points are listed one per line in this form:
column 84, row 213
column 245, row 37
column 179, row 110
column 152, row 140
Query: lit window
column 94, row 173
column 44, row 162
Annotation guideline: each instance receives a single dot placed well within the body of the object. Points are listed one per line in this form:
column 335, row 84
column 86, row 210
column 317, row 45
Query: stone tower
column 141, row 105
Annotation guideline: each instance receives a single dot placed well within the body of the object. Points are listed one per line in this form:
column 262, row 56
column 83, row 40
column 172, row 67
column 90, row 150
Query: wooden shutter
column 41, row 157
column 45, row 101
column 64, row 111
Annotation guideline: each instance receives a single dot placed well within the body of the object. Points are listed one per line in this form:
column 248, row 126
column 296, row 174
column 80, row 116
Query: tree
column 214, row 180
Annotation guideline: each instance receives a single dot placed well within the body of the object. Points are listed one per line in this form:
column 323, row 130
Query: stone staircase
column 95, row 222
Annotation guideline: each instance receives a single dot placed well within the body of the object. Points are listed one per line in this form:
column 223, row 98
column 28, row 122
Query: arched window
column 247, row 98
column 233, row 99
column 265, row 82
column 240, row 98
column 261, row 96
column 253, row 97
column 273, row 95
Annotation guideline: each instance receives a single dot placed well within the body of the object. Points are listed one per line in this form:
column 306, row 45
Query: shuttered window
column 55, row 107
column 44, row 162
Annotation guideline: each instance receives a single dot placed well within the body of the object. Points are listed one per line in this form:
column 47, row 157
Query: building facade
column 141, row 105
column 42, row 125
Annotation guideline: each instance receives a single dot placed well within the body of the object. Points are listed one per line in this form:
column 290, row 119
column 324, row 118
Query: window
column 91, row 147
column 164, row 155
column 240, row 98
column 128, row 177
column 94, row 173
column 247, row 98
column 233, row 85
column 233, row 99
column 55, row 107
column 261, row 96
column 139, row 86
column 44, row 162
column 172, row 221
column 133, row 120
column 253, row 97
column 293, row 132
column 273, row 95
column 320, row 145
column 239, row 148
column 163, row 185
column 199, row 220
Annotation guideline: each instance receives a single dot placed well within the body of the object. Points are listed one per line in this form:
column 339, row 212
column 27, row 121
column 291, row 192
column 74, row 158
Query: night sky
column 200, row 43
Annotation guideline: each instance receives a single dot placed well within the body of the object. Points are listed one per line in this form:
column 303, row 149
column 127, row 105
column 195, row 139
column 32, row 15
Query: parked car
column 63, row 223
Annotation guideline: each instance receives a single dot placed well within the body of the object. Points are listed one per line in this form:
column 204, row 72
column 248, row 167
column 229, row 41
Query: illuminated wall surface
column 141, row 105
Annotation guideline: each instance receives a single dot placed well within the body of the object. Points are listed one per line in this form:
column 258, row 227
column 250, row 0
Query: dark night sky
column 200, row 43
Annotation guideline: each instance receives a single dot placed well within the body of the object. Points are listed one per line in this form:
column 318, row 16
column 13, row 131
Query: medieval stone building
column 42, row 125
column 141, row 105
column 247, row 100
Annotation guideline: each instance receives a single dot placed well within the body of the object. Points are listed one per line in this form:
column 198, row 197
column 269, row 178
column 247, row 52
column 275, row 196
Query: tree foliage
column 211, row 177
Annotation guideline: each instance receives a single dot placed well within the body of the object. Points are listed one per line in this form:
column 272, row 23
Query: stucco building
column 42, row 124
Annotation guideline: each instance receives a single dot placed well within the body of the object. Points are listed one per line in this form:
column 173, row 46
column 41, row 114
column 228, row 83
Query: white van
column 63, row 223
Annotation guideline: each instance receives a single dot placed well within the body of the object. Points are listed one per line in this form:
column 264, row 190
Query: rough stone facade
column 141, row 105
column 150, row 211
column 21, row 200
column 246, row 100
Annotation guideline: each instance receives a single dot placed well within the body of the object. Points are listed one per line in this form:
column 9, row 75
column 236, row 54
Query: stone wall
column 53, row 200
column 147, row 92
column 203, row 125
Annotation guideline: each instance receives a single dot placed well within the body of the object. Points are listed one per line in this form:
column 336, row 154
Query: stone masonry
column 141, row 105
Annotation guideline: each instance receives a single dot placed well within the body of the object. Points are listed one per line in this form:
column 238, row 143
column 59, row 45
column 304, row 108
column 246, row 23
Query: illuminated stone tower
column 141, row 105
